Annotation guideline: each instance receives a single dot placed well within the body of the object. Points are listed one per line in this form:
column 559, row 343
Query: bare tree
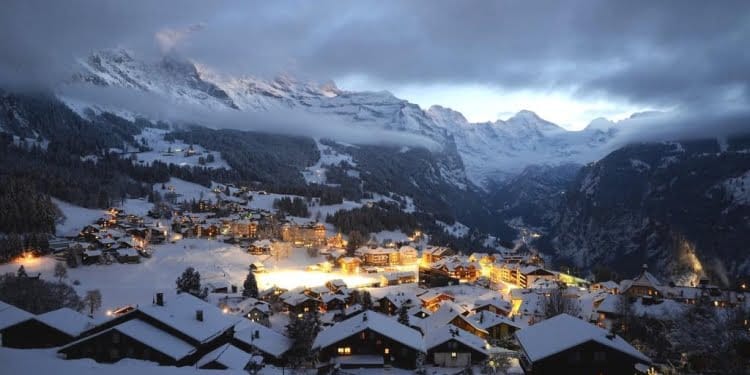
column 93, row 300
column 61, row 272
column 556, row 303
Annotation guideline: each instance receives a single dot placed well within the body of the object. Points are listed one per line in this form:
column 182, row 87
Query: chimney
column 199, row 315
column 160, row 299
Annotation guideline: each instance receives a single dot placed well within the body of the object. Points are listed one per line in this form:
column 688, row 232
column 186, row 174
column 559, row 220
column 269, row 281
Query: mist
column 289, row 121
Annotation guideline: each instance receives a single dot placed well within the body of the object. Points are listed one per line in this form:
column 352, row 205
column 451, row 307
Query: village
column 386, row 304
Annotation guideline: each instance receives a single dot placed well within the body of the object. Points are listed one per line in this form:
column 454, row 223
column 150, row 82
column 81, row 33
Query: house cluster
column 116, row 237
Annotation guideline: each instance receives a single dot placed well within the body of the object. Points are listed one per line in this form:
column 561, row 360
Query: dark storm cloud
column 645, row 52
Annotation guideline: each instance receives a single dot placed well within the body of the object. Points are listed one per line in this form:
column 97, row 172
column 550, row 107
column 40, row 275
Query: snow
column 160, row 147
column 75, row 218
column 568, row 332
column 186, row 191
column 316, row 174
column 228, row 355
column 45, row 361
column 738, row 189
column 11, row 315
column 66, row 320
column 268, row 340
column 375, row 322
column 457, row 229
column 436, row 337
column 156, row 338
column 179, row 313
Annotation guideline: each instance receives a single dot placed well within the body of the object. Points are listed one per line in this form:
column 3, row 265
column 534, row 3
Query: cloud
column 168, row 39
column 278, row 121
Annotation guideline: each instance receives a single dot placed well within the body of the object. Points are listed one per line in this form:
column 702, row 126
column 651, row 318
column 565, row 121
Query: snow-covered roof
column 443, row 316
column 608, row 285
column 610, row 304
column 66, row 320
column 179, row 312
column 127, row 252
column 495, row 301
column 267, row 340
column 155, row 338
column 487, row 319
column 228, row 355
column 11, row 315
column 375, row 322
column 563, row 332
column 444, row 334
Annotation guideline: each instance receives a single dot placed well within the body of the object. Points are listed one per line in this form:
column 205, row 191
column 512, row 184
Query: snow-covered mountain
column 490, row 151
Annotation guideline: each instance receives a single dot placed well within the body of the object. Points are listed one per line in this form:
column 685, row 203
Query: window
column 454, row 355
column 600, row 356
column 574, row 357
column 387, row 351
column 344, row 350
column 307, row 309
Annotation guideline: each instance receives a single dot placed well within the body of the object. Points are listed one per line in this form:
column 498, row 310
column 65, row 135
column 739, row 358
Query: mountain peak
column 529, row 119
column 600, row 123
column 446, row 115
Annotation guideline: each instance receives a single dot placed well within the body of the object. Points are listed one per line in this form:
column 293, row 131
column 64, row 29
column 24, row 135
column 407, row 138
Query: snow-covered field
column 316, row 173
column 160, row 151
column 122, row 284
column 456, row 229
column 75, row 218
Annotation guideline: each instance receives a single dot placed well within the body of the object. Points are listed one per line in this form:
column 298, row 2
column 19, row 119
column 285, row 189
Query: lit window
column 454, row 355
column 387, row 351
column 345, row 350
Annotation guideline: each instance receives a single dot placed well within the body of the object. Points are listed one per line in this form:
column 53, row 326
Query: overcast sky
column 569, row 61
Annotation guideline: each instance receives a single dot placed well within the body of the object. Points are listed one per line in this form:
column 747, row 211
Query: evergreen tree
column 21, row 273
column 189, row 282
column 250, row 286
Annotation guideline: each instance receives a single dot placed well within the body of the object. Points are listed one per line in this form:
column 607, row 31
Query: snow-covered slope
column 489, row 151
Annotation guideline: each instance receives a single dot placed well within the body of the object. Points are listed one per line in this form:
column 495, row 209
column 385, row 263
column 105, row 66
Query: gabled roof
column 442, row 317
column 487, row 319
column 228, row 355
column 373, row 321
column 66, row 320
column 495, row 301
column 444, row 334
column 563, row 332
column 267, row 340
column 179, row 313
column 11, row 315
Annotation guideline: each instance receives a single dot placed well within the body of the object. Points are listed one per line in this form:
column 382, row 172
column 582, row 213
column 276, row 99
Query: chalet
column 530, row 274
column 381, row 257
column 225, row 357
column 334, row 302
column 260, row 247
column 252, row 337
column 350, row 265
column 91, row 256
column 392, row 302
column 579, row 347
column 300, row 304
column 257, row 267
column 610, row 287
column 128, row 255
column 458, row 268
column 271, row 294
column 256, row 310
column 449, row 346
column 496, row 326
column 430, row 278
column 23, row 330
column 432, row 299
column 449, row 313
column 434, row 253
column 179, row 331
column 408, row 255
column 397, row 278
column 335, row 285
column 369, row 339
column 494, row 304
column 644, row 285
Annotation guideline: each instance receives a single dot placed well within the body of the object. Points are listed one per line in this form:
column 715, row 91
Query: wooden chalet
column 450, row 346
column 23, row 330
column 644, row 285
column 369, row 339
column 257, row 338
column 178, row 332
column 566, row 342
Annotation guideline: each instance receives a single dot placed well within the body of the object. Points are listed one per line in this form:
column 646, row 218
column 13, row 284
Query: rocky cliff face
column 680, row 206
